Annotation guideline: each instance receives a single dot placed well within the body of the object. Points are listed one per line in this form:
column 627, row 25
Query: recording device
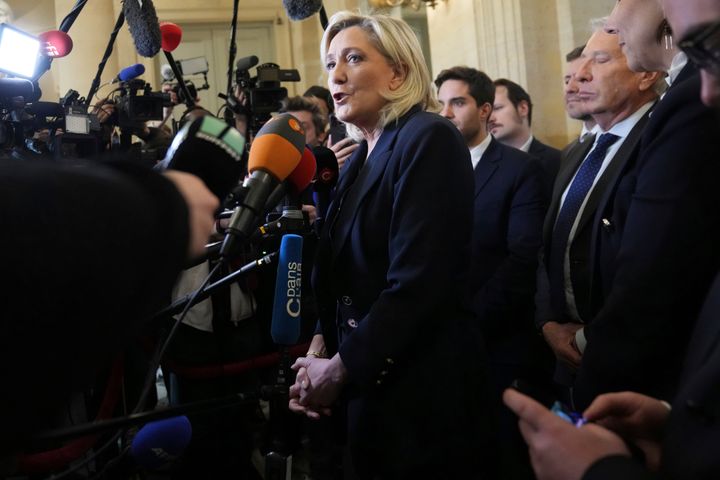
column 302, row 9
column 55, row 44
column 325, row 178
column 264, row 92
column 161, row 442
column 143, row 24
column 138, row 104
column 275, row 152
column 285, row 326
column 210, row 149
column 171, row 37
column 128, row 73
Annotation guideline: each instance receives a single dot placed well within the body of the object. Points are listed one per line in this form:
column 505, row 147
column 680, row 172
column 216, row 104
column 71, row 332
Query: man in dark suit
column 510, row 124
column 619, row 101
column 679, row 440
column 509, row 209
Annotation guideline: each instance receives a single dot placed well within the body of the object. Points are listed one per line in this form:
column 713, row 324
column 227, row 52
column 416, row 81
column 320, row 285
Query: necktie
column 579, row 188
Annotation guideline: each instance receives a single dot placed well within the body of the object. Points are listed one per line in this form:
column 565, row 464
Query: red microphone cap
column 302, row 176
column 171, row 36
column 55, row 43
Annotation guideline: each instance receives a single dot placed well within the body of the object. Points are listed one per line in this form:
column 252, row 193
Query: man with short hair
column 310, row 117
column 510, row 205
column 510, row 124
column 573, row 105
column 619, row 101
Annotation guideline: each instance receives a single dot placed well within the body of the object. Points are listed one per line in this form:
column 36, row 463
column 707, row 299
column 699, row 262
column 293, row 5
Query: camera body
column 138, row 104
column 264, row 92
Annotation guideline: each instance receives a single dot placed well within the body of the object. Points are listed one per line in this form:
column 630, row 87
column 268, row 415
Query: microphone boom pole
column 108, row 51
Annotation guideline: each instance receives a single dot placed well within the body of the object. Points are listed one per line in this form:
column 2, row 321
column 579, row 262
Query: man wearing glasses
column 674, row 442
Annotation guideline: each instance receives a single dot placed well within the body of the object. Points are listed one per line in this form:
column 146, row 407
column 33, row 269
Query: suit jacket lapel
column 575, row 155
column 355, row 190
column 612, row 173
column 487, row 166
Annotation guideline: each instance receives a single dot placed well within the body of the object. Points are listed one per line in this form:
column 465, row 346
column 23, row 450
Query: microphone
column 171, row 37
column 246, row 63
column 128, row 73
column 56, row 44
column 301, row 9
column 298, row 180
column 143, row 24
column 212, row 150
column 325, row 179
column 276, row 151
column 285, row 324
column 167, row 73
column 158, row 443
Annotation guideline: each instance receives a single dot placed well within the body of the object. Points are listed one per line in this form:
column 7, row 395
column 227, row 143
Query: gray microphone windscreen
column 301, row 9
column 144, row 28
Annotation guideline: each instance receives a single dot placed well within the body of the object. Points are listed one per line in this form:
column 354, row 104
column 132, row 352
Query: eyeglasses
column 702, row 46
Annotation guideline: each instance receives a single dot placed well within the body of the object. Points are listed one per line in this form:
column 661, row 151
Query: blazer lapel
column 612, row 173
column 576, row 154
column 487, row 166
column 355, row 190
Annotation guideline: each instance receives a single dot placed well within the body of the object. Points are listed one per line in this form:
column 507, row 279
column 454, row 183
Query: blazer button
column 346, row 300
column 389, row 361
column 352, row 323
column 383, row 373
column 379, row 382
column 608, row 225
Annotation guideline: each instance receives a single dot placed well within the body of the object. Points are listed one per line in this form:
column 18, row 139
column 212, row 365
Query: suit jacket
column 391, row 283
column 692, row 432
column 580, row 249
column 549, row 158
column 507, row 229
column 657, row 235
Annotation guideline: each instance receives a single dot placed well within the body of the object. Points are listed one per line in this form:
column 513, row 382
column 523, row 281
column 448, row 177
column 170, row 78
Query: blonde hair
column 396, row 41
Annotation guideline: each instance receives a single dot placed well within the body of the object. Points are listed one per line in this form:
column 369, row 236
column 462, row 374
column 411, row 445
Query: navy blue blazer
column 657, row 235
column 510, row 206
column 549, row 159
column 391, row 282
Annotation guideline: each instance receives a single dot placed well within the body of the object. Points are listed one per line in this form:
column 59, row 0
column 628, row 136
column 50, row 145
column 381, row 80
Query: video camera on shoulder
column 264, row 91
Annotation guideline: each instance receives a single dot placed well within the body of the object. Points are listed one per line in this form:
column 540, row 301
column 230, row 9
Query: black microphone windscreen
column 327, row 172
column 209, row 148
column 144, row 27
column 246, row 63
column 301, row 9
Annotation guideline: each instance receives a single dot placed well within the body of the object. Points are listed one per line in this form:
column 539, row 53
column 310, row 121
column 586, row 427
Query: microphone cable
column 150, row 380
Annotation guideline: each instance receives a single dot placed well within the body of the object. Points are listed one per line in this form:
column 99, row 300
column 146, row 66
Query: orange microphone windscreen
column 302, row 176
column 171, row 36
column 278, row 147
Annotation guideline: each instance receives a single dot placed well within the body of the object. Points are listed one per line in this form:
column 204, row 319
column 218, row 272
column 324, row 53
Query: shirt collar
column 478, row 150
column 526, row 146
column 678, row 63
column 622, row 128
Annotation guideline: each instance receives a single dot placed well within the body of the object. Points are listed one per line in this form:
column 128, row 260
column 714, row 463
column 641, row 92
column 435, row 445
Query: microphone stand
column 178, row 305
column 108, row 51
column 74, row 431
column 232, row 52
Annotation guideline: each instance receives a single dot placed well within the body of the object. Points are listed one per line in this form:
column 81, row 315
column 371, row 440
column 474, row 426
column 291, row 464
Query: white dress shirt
column 478, row 151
